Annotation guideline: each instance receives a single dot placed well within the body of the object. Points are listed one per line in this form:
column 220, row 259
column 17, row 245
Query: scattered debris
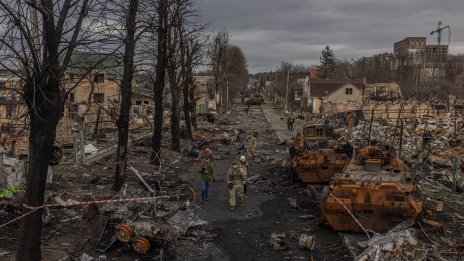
column 90, row 149
column 292, row 202
column 435, row 205
column 277, row 242
column 307, row 242
column 257, row 179
column 85, row 257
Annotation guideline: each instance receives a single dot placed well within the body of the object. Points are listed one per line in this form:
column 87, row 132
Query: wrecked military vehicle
column 316, row 155
column 376, row 187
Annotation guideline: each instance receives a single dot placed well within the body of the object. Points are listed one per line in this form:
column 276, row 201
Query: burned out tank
column 256, row 99
column 316, row 155
column 376, row 188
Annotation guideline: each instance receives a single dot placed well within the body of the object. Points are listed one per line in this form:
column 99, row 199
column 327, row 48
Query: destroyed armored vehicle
column 316, row 155
column 256, row 99
column 376, row 188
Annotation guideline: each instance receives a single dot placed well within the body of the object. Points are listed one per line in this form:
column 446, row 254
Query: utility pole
column 286, row 90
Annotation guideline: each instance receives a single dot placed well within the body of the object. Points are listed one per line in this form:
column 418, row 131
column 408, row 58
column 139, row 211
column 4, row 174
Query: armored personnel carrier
column 316, row 155
column 376, row 188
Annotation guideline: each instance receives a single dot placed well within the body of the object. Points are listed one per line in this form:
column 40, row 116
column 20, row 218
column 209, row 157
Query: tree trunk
column 188, row 121
column 175, row 122
column 159, row 81
column 126, row 93
column 193, row 106
column 41, row 139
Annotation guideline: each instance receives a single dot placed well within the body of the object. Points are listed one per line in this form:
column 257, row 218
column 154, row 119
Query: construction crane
column 438, row 31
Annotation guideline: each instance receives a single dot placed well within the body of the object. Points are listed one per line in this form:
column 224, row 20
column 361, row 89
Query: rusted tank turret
column 377, row 189
column 316, row 155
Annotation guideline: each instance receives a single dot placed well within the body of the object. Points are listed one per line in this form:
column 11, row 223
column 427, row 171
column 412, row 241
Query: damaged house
column 93, row 83
column 13, row 114
column 329, row 96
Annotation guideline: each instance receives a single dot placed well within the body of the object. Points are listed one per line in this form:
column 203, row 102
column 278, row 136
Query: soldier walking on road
column 244, row 166
column 290, row 122
column 235, row 180
column 208, row 174
column 251, row 145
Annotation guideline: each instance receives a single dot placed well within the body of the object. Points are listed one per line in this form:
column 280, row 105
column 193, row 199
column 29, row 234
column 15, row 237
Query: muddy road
column 245, row 233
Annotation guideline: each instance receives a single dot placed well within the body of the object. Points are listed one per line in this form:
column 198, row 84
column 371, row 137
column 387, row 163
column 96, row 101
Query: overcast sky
column 270, row 31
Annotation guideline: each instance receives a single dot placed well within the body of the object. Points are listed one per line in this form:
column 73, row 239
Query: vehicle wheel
column 123, row 233
column 141, row 245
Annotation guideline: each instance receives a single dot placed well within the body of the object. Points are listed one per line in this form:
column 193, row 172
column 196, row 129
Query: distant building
column 331, row 96
column 436, row 53
column 381, row 92
column 204, row 93
column 410, row 45
column 417, row 49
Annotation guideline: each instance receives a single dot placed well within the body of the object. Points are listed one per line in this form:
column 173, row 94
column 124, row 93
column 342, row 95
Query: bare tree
column 236, row 72
column 161, row 62
column 193, row 57
column 37, row 42
column 183, row 27
column 126, row 94
column 291, row 72
column 217, row 56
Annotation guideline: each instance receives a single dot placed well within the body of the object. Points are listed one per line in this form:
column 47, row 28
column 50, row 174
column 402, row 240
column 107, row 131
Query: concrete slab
column 350, row 240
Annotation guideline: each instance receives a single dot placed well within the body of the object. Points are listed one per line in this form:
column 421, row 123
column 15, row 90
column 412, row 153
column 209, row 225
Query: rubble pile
column 396, row 245
column 438, row 145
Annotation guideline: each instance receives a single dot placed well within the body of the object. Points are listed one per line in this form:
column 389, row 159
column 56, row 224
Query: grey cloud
column 270, row 31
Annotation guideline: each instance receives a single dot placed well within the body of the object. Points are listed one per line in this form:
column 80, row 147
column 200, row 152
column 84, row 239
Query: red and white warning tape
column 105, row 201
column 18, row 218
column 81, row 203
column 351, row 214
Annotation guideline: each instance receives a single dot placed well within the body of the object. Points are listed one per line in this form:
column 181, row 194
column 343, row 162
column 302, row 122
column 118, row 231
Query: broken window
column 71, row 97
column 98, row 97
column 71, row 77
column 10, row 111
column 2, row 85
column 136, row 110
column 73, row 111
column 138, row 102
column 99, row 78
column 349, row 91
column 146, row 102
column 380, row 92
